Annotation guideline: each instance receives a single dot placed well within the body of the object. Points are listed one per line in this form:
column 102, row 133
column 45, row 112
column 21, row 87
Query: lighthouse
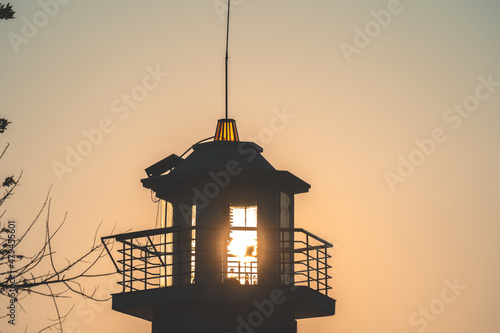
column 227, row 256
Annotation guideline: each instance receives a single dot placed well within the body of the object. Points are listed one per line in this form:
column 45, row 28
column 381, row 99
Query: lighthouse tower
column 228, row 256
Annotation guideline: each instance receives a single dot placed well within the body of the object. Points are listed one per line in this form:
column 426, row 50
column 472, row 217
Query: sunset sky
column 389, row 109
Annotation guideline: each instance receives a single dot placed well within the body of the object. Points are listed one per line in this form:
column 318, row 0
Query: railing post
column 146, row 268
column 326, row 271
column 318, row 285
column 308, row 262
column 178, row 259
column 282, row 257
column 123, row 268
column 131, row 267
column 291, row 248
column 163, row 249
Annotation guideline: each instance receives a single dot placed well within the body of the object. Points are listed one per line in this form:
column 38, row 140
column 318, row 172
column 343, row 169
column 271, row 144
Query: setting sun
column 242, row 246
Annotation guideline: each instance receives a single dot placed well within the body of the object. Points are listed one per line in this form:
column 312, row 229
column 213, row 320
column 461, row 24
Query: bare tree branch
column 40, row 273
column 59, row 317
column 43, row 269
column 4, row 150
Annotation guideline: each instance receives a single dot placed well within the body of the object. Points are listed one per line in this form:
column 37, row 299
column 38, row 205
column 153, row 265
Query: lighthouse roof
column 242, row 159
column 223, row 155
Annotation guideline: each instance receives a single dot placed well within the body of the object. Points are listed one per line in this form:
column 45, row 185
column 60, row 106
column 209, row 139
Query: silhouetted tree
column 39, row 273
column 6, row 12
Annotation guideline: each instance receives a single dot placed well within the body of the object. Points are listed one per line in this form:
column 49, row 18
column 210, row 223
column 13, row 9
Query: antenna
column 226, row 128
column 227, row 46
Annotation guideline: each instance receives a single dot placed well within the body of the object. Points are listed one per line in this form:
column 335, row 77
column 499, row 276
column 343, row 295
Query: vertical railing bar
column 288, row 268
column 131, row 267
column 292, row 257
column 281, row 257
column 317, row 269
column 287, row 258
column 165, row 260
column 326, row 271
column 308, row 264
column 180, row 257
column 146, row 269
column 128, row 268
column 123, row 269
column 294, row 274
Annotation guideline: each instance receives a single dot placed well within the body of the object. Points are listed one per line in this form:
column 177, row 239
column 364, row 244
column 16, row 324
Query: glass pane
column 285, row 211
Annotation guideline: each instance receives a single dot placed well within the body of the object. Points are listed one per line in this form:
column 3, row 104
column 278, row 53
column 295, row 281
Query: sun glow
column 242, row 246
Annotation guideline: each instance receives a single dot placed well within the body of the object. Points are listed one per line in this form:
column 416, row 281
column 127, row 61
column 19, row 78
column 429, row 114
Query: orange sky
column 392, row 118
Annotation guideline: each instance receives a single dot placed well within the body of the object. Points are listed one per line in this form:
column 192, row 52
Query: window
column 242, row 245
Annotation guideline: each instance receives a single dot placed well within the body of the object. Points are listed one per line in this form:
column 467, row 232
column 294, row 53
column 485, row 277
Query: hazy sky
column 392, row 117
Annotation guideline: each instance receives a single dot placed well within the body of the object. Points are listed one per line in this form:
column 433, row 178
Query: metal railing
column 310, row 260
column 166, row 257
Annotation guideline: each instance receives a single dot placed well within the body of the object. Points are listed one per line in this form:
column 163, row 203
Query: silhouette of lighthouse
column 227, row 256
